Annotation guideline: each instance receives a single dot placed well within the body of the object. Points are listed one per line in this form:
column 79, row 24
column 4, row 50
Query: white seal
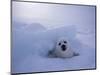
column 63, row 49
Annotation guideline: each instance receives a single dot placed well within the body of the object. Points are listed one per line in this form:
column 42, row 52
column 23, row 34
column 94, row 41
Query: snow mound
column 29, row 51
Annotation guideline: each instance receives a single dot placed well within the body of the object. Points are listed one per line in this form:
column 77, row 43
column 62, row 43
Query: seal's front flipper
column 76, row 54
column 50, row 53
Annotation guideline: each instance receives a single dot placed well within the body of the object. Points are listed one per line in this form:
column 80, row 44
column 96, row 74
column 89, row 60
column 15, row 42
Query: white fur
column 63, row 54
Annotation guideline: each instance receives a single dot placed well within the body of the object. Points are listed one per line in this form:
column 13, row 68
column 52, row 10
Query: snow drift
column 30, row 46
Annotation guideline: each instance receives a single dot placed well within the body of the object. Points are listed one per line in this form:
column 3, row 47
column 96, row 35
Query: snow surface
column 29, row 53
column 31, row 42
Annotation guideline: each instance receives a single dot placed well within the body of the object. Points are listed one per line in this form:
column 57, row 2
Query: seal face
column 63, row 48
column 63, row 45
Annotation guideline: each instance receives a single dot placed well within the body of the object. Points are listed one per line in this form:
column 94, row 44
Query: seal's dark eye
column 65, row 42
column 59, row 44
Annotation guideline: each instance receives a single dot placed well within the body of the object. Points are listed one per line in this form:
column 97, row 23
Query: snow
column 32, row 40
column 30, row 50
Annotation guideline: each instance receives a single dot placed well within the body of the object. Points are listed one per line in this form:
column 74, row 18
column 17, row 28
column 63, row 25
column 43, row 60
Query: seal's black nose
column 63, row 47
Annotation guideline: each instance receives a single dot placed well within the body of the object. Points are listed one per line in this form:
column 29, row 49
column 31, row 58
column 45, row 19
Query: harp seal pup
column 62, row 49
